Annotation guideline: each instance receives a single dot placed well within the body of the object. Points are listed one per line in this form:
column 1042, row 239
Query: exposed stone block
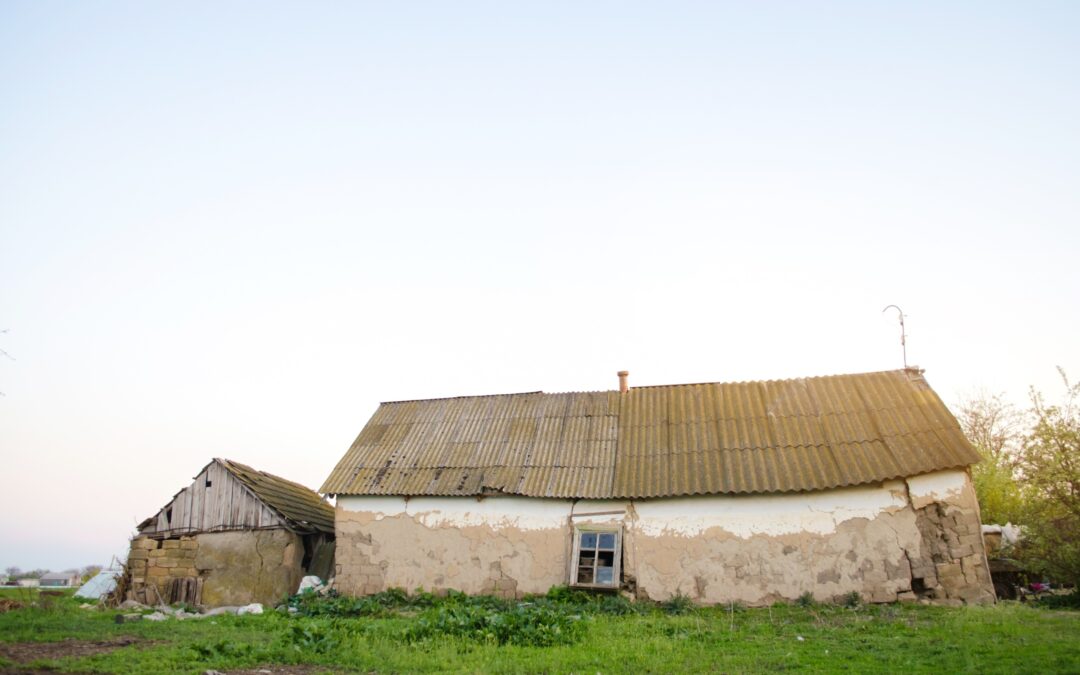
column 947, row 570
column 170, row 543
column 157, row 553
column 882, row 595
column 189, row 544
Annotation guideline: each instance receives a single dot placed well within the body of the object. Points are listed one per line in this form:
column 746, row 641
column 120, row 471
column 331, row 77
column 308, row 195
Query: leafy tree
column 1050, row 465
column 994, row 426
column 13, row 571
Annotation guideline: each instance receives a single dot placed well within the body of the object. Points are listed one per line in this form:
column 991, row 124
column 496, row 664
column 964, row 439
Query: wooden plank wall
column 225, row 505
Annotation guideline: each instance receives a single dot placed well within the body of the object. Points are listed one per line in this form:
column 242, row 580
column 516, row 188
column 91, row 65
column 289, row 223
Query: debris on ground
column 6, row 605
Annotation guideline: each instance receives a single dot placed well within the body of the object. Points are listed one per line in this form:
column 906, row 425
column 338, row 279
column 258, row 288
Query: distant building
column 29, row 583
column 60, row 579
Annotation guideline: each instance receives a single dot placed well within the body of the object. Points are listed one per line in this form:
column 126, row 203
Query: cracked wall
column 216, row 568
column 897, row 540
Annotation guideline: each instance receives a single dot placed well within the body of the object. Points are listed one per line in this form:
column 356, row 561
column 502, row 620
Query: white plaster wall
column 939, row 486
column 746, row 516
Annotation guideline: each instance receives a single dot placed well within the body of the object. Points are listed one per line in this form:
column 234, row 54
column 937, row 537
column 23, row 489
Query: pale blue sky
column 231, row 229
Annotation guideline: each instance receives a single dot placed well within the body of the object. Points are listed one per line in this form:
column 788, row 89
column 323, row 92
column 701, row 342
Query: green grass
column 611, row 638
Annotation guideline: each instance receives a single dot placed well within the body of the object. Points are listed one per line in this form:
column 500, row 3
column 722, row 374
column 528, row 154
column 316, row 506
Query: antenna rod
column 903, row 334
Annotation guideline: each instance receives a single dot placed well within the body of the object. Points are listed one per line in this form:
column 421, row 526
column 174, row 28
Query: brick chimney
column 623, row 386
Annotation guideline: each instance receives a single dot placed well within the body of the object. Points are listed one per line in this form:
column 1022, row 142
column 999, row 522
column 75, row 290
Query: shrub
column 678, row 604
column 806, row 600
column 850, row 600
column 1069, row 601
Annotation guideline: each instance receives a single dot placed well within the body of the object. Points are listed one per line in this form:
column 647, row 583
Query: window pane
column 584, row 575
column 606, row 559
column 588, row 540
column 607, row 540
column 605, row 575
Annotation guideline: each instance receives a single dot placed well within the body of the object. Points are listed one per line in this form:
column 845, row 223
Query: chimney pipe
column 623, row 386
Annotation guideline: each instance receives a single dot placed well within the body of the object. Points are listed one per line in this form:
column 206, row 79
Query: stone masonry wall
column 154, row 565
column 950, row 566
column 217, row 568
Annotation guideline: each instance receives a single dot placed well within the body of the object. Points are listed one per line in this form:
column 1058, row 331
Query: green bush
column 526, row 624
column 310, row 637
column 1070, row 601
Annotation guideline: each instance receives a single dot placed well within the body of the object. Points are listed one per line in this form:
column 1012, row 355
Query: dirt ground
column 25, row 652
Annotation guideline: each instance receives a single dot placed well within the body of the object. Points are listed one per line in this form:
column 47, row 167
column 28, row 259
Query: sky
column 232, row 229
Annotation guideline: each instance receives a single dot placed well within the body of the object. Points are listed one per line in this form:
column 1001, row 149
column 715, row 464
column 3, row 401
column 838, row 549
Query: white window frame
column 579, row 530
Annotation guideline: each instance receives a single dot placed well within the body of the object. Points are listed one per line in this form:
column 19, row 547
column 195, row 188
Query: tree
column 994, row 426
column 89, row 571
column 1050, row 466
column 13, row 571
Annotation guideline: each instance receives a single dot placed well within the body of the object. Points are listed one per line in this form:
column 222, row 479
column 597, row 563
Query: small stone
column 156, row 616
column 128, row 618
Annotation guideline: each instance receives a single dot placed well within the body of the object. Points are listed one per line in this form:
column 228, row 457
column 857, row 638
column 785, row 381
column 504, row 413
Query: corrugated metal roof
column 293, row 501
column 746, row 437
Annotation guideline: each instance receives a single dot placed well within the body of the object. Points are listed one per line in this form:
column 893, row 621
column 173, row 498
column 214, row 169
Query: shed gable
column 214, row 502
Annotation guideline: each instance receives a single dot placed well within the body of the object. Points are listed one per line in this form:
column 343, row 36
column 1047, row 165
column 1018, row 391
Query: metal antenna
column 903, row 334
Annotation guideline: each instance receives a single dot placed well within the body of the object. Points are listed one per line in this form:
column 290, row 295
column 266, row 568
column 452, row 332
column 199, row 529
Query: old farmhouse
column 234, row 536
column 749, row 492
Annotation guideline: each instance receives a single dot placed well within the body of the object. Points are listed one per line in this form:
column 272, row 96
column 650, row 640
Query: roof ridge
column 911, row 369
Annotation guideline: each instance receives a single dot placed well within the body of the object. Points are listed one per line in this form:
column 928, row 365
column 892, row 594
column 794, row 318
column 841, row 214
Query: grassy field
column 567, row 633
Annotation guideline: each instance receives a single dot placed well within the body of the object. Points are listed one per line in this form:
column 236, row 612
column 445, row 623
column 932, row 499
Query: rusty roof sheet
column 690, row 439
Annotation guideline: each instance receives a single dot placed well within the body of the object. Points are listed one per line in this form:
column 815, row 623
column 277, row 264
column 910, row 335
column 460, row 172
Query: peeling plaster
column 521, row 513
column 746, row 516
column 939, row 486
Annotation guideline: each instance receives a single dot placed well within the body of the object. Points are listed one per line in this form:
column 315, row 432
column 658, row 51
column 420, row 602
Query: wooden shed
column 235, row 535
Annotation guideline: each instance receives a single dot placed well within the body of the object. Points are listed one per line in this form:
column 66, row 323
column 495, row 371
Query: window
column 597, row 558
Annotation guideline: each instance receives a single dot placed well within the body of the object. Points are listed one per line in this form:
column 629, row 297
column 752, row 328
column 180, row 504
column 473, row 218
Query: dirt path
column 25, row 652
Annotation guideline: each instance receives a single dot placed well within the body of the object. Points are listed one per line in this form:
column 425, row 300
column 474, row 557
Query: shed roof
column 292, row 501
column 690, row 439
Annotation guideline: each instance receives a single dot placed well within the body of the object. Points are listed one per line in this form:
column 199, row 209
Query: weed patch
column 527, row 624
